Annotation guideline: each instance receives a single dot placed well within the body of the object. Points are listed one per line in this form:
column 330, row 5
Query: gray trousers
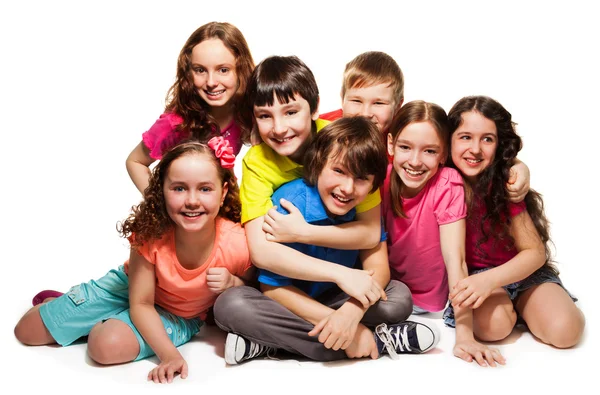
column 248, row 312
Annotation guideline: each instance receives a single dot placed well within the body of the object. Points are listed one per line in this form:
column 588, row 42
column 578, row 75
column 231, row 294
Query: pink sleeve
column 449, row 205
column 162, row 135
column 515, row 209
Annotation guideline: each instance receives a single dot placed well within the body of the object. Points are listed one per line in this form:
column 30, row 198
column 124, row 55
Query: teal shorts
column 74, row 314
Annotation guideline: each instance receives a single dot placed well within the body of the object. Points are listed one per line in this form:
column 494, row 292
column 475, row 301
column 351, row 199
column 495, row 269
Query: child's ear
column 315, row 115
column 224, row 193
column 390, row 144
column 400, row 104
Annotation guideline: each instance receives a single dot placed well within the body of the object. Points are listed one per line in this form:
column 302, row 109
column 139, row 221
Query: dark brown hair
column 183, row 98
column 356, row 143
column 490, row 187
column 150, row 220
column 414, row 112
column 281, row 76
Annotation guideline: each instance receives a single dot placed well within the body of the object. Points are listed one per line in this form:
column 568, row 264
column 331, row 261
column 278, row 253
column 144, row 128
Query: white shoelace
column 393, row 339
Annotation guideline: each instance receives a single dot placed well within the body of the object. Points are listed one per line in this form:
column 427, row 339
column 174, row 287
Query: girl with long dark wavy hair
column 213, row 70
column 509, row 262
column 187, row 247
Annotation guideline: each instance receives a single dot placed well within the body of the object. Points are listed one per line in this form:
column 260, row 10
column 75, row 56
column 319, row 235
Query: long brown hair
column 490, row 189
column 414, row 112
column 149, row 220
column 182, row 97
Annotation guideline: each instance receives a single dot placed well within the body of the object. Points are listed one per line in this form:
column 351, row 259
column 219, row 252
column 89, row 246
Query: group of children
column 354, row 220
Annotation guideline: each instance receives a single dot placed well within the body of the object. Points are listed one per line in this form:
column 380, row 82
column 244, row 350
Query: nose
column 192, row 199
column 347, row 185
column 475, row 148
column 211, row 80
column 365, row 111
column 279, row 126
column 415, row 159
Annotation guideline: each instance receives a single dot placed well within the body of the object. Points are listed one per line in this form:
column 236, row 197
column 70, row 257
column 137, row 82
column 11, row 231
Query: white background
column 81, row 81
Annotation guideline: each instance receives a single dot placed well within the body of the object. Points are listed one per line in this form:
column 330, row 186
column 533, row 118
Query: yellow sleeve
column 372, row 200
column 255, row 190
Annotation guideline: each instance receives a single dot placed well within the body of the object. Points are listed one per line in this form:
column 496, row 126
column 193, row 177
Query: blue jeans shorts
column 540, row 276
column 74, row 314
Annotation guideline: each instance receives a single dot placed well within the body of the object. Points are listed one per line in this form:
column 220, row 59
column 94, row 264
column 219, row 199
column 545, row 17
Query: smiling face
column 340, row 190
column 474, row 144
column 287, row 127
column 375, row 102
column 193, row 192
column 417, row 155
column 214, row 73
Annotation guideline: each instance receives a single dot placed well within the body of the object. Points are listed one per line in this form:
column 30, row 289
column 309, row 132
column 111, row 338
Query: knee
column 104, row 346
column 494, row 325
column 233, row 304
column 31, row 331
column 565, row 331
column 399, row 304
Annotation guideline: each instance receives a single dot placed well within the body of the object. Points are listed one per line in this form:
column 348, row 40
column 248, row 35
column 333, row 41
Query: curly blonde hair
column 150, row 221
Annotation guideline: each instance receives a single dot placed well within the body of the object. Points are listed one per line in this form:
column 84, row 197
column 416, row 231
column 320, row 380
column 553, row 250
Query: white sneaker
column 239, row 349
column 408, row 337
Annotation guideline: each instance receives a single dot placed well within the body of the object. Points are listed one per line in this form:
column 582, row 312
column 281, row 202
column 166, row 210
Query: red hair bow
column 223, row 151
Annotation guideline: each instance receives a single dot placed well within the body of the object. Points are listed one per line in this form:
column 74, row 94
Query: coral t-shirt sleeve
column 162, row 135
column 449, row 205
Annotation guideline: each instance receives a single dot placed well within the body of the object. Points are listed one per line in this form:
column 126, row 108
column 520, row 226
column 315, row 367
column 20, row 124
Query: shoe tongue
column 413, row 339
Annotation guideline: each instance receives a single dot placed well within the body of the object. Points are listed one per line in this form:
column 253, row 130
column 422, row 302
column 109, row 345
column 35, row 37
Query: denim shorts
column 74, row 314
column 540, row 276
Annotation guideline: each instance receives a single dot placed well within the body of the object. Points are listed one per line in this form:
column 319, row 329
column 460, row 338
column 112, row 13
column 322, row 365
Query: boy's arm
column 452, row 240
column 518, row 181
column 138, row 166
column 472, row 291
column 286, row 261
column 362, row 234
column 142, row 280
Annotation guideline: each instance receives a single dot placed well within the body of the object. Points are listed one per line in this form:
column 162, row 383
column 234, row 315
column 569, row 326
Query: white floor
column 81, row 81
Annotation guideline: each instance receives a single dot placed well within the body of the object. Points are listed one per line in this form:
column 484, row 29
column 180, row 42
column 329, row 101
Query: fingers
column 318, row 328
column 479, row 359
column 374, row 353
column 288, row 206
column 170, row 373
column 468, row 302
column 364, row 301
column 489, row 358
column 512, row 177
column 498, row 356
column 184, row 370
column 462, row 354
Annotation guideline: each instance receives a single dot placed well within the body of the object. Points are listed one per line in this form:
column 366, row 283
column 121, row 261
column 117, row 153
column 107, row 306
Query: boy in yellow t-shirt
column 283, row 98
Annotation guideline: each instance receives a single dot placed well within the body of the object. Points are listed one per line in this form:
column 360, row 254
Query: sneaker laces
column 257, row 350
column 394, row 339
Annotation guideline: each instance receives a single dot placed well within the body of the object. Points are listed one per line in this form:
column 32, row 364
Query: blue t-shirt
column 307, row 200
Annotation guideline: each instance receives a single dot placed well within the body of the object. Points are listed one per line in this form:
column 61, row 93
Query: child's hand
column 518, row 182
column 363, row 345
column 219, row 279
column 472, row 291
column 468, row 350
column 337, row 330
column 284, row 228
column 165, row 371
column 361, row 285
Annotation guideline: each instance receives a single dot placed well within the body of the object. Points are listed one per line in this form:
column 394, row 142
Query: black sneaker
column 408, row 337
column 239, row 349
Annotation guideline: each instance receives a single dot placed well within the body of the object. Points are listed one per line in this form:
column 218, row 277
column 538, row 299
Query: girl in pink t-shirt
column 510, row 273
column 213, row 69
column 423, row 205
column 187, row 248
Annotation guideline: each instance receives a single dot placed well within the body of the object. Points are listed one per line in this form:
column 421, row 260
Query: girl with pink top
column 423, row 205
column 213, row 69
column 510, row 272
column 187, row 248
